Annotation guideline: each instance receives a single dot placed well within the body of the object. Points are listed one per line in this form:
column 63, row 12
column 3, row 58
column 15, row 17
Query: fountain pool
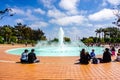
column 53, row 51
column 44, row 48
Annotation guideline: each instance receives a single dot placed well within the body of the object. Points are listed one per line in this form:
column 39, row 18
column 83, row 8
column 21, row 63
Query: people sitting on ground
column 24, row 56
column 32, row 57
column 88, row 56
column 106, row 56
column 84, row 57
column 113, row 51
column 92, row 54
column 118, row 56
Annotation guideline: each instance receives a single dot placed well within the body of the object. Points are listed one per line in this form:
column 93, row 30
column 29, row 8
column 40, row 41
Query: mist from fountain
column 60, row 48
column 61, row 37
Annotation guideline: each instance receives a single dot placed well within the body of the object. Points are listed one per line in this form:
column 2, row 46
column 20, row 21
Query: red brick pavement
column 54, row 68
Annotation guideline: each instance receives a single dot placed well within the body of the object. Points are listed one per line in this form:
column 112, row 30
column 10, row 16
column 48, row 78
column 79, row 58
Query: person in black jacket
column 32, row 57
column 106, row 56
column 84, row 57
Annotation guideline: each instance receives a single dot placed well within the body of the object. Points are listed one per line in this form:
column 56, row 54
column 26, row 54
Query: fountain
column 61, row 37
column 60, row 48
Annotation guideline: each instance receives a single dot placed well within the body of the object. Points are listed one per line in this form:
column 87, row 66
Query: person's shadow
column 22, row 62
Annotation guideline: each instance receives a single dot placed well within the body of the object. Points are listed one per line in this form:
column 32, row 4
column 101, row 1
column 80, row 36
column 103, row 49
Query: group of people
column 85, row 57
column 28, row 57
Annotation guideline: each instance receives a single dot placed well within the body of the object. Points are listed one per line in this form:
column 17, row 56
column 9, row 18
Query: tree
column 38, row 35
column 6, row 32
column 98, row 31
column 1, row 39
column 6, row 12
column 116, row 12
column 66, row 39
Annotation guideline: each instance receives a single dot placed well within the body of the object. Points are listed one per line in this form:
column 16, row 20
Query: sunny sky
column 78, row 18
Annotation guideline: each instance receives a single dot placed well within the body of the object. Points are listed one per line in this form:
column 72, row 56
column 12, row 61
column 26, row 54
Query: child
column 92, row 54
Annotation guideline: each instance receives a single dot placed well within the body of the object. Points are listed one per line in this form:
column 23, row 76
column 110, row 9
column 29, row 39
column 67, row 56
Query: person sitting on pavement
column 118, row 56
column 106, row 56
column 92, row 54
column 32, row 57
column 24, row 56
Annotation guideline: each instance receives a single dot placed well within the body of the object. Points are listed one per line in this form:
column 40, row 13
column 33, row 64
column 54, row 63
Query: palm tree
column 98, row 31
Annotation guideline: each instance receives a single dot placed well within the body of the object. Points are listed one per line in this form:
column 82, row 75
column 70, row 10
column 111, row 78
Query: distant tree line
column 105, row 35
column 20, row 34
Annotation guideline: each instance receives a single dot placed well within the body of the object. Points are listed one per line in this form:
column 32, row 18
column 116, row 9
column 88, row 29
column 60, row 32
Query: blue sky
column 78, row 18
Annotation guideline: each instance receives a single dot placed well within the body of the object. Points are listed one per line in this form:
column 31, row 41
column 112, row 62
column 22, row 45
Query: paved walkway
column 54, row 68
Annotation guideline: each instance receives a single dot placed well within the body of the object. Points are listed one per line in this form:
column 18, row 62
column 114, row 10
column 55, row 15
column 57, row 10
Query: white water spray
column 61, row 37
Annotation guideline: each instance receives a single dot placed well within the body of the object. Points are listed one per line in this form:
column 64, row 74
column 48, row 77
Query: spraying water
column 61, row 37
column 73, row 48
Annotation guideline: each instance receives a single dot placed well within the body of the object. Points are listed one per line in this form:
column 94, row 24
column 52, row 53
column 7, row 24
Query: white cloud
column 69, row 20
column 114, row 2
column 27, row 15
column 104, row 3
column 104, row 14
column 38, row 10
column 70, row 5
column 55, row 13
column 76, row 33
column 39, row 24
column 30, row 16
column 18, row 11
column 19, row 21
column 47, row 3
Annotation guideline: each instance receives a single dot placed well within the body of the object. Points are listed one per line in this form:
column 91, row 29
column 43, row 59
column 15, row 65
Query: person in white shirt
column 24, row 56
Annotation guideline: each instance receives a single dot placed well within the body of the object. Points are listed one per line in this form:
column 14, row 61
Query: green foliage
column 106, row 40
column 1, row 40
column 13, row 39
column 66, row 39
column 109, row 34
column 88, row 40
column 43, row 38
column 54, row 40
column 21, row 33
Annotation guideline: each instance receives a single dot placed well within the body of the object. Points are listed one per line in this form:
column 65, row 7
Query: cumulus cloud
column 27, row 15
column 69, row 20
column 114, row 2
column 18, row 11
column 104, row 14
column 30, row 16
column 104, row 3
column 70, row 5
column 76, row 33
column 19, row 21
column 39, row 24
column 38, row 10
column 47, row 3
column 55, row 13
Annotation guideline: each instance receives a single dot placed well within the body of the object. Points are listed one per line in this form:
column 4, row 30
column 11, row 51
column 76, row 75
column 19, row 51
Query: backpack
column 95, row 61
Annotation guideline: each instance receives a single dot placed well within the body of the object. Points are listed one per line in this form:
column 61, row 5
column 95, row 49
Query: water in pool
column 44, row 48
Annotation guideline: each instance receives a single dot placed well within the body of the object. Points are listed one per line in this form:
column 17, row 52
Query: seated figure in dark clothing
column 106, row 56
column 32, row 57
column 84, row 57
